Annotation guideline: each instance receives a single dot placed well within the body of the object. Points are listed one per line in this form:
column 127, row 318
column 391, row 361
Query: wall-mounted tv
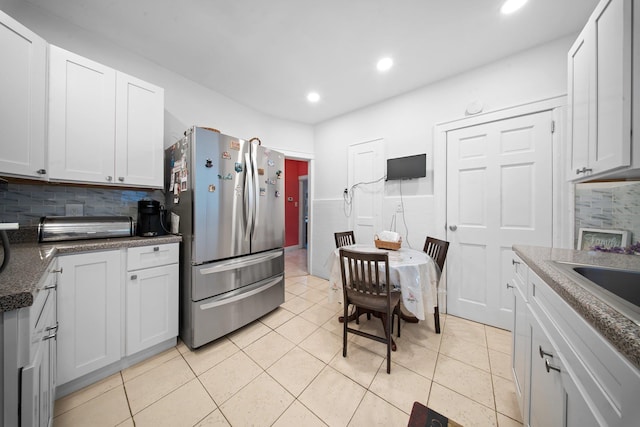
column 407, row 167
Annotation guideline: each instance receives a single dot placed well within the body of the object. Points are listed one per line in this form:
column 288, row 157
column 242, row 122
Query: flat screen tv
column 407, row 167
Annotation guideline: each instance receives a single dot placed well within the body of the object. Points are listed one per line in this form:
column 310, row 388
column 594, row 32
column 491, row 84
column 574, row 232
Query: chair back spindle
column 344, row 238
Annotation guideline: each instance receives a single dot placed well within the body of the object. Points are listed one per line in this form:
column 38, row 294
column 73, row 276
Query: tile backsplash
column 25, row 203
column 609, row 205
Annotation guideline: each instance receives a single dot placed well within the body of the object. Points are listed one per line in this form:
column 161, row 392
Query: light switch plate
column 74, row 209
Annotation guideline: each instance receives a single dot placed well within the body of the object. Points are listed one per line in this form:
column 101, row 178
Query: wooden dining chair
column 365, row 284
column 344, row 238
column 437, row 250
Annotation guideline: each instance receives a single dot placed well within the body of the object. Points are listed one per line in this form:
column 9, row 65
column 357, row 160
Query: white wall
column 186, row 103
column 406, row 123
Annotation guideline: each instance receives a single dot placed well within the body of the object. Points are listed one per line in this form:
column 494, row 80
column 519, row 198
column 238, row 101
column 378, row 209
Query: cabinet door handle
column 121, row 178
column 109, row 178
column 543, row 353
column 52, row 328
column 514, row 262
column 583, row 170
column 54, row 286
column 48, row 337
column 550, row 367
column 509, row 286
column 57, row 271
column 41, row 171
column 156, row 248
column 134, row 276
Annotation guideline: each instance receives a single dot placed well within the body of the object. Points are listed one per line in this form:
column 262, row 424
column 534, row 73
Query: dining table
column 410, row 270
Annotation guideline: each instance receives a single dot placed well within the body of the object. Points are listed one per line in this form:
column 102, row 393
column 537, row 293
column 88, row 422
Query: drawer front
column 221, row 277
column 152, row 256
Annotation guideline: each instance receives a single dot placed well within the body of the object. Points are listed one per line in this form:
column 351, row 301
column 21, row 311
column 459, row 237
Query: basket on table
column 384, row 244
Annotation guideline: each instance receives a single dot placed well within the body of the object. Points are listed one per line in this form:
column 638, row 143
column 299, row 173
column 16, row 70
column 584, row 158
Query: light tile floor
column 287, row 369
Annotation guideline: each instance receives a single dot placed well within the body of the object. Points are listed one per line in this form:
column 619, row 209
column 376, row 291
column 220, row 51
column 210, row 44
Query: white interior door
column 366, row 165
column 499, row 193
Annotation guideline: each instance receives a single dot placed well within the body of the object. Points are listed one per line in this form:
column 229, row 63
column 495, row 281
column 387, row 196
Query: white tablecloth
column 414, row 272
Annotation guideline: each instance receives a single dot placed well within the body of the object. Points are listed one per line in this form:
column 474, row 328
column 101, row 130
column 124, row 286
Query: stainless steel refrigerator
column 225, row 195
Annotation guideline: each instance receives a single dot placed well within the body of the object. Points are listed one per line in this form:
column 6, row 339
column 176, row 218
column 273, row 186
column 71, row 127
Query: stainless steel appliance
column 58, row 228
column 225, row 196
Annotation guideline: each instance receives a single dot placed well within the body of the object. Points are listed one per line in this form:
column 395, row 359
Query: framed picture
column 590, row 237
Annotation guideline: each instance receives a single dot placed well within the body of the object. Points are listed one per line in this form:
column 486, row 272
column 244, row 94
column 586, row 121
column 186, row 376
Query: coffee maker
column 150, row 219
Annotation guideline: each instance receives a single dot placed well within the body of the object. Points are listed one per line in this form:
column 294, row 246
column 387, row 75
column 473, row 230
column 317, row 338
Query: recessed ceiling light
column 384, row 64
column 313, row 97
column 511, row 6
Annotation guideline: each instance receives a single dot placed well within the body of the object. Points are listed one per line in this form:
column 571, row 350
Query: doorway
column 296, row 217
column 303, row 220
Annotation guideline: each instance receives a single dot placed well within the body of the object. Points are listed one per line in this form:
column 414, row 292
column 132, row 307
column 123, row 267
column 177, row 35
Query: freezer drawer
column 216, row 278
column 215, row 317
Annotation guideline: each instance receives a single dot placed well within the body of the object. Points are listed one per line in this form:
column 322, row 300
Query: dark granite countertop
column 622, row 332
column 29, row 262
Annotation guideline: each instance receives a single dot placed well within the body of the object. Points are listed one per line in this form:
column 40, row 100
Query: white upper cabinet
column 600, row 98
column 81, row 118
column 105, row 127
column 22, row 100
column 139, row 132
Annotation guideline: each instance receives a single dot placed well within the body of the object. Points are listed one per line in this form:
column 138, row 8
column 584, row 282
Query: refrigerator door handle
column 254, row 167
column 249, row 198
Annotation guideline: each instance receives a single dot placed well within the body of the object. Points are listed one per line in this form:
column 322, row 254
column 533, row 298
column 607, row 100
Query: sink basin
column 618, row 288
column 625, row 284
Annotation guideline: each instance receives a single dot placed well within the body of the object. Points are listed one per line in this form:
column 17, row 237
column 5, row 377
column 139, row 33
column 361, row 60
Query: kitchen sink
column 618, row 288
column 625, row 284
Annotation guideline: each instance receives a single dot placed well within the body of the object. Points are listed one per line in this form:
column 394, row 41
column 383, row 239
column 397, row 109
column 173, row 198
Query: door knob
column 453, row 227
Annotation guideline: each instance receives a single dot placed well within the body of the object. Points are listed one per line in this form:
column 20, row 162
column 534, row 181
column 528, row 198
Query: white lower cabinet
column 556, row 399
column 112, row 305
column 89, row 313
column 39, row 377
column 546, row 391
column 565, row 372
column 152, row 296
column 28, row 358
column 521, row 354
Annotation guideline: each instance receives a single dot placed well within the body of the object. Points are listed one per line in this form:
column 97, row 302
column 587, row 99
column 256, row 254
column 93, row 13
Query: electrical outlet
column 399, row 208
column 74, row 209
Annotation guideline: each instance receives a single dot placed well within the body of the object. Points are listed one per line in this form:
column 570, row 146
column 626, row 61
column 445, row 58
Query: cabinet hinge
column 553, row 126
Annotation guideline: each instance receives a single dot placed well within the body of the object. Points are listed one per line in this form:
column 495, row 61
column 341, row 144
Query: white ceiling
column 267, row 54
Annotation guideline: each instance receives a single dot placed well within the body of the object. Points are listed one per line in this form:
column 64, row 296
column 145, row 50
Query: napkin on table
column 389, row 236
